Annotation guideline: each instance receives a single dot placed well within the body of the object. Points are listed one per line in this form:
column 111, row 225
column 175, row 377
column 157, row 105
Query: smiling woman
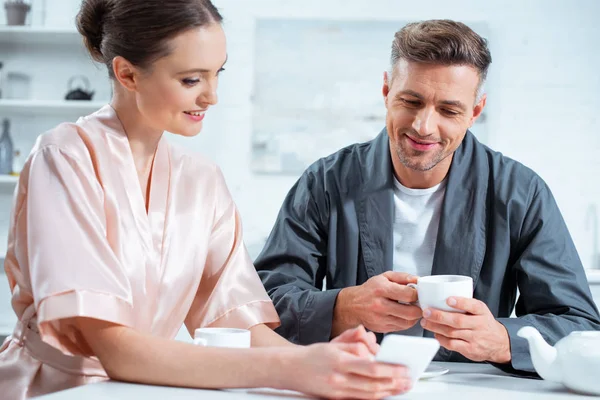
column 175, row 86
column 134, row 237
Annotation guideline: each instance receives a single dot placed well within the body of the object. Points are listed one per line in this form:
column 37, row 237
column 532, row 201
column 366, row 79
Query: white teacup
column 222, row 337
column 433, row 291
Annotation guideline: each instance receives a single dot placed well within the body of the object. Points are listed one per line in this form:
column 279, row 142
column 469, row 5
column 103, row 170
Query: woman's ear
column 125, row 73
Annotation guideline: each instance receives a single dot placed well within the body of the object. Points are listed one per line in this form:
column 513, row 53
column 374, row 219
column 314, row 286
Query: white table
column 464, row 381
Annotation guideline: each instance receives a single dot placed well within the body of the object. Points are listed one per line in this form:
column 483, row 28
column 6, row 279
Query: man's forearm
column 343, row 316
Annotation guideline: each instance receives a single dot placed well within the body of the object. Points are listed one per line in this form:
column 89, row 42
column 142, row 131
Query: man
column 426, row 198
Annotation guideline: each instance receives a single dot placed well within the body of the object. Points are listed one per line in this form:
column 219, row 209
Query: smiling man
column 426, row 198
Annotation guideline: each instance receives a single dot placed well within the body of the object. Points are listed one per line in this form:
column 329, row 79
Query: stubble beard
column 413, row 161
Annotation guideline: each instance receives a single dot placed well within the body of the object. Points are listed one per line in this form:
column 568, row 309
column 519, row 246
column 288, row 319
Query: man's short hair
column 443, row 42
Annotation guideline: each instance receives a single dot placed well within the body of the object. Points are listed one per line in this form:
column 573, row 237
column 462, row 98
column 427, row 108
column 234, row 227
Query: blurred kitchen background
column 304, row 79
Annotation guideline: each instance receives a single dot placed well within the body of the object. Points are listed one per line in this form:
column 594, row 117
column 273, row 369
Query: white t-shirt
column 416, row 220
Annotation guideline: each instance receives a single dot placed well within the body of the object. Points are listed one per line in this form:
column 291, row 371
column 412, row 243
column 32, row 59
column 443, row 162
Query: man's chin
column 421, row 161
column 417, row 163
column 420, row 167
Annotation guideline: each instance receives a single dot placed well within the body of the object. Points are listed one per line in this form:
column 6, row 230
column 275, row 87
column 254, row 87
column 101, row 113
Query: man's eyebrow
column 454, row 103
column 410, row 93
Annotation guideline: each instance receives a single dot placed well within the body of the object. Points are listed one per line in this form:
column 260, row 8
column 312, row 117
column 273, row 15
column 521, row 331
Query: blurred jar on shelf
column 6, row 149
column 17, row 85
column 2, row 94
column 18, row 161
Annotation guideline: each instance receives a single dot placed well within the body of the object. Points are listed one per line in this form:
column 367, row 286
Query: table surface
column 464, row 381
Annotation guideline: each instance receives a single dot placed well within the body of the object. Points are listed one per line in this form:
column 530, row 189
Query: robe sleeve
column 61, row 235
column 230, row 293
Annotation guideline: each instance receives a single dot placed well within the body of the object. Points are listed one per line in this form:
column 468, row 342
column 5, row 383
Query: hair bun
column 90, row 24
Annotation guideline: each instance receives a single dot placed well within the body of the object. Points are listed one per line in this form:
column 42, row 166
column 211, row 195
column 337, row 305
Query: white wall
column 544, row 86
column 543, row 99
column 543, row 102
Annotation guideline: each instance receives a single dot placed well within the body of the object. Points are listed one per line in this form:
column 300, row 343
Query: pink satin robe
column 81, row 244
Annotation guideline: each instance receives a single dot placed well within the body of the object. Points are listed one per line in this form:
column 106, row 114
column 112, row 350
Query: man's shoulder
column 510, row 175
column 343, row 167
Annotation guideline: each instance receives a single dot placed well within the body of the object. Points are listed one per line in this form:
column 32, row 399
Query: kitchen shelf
column 7, row 180
column 48, row 107
column 38, row 35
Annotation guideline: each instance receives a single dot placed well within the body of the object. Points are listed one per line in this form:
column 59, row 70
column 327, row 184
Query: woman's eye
column 190, row 82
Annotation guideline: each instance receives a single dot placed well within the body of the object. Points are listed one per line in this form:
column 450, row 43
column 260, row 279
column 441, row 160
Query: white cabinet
column 48, row 108
column 44, row 59
column 20, row 35
column 38, row 64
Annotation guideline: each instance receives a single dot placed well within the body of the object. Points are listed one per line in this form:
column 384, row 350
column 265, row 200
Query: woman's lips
column 195, row 116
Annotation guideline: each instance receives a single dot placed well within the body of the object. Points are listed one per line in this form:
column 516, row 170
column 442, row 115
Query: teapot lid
column 83, row 78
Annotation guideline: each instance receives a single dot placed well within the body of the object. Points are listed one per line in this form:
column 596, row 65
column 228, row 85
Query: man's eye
column 410, row 102
column 449, row 112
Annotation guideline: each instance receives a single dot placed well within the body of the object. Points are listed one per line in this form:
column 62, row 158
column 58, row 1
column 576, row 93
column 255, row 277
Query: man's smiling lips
column 421, row 145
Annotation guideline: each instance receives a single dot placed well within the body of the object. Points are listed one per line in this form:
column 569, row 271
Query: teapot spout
column 543, row 356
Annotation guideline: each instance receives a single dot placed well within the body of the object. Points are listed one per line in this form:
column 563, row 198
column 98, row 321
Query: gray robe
column 499, row 224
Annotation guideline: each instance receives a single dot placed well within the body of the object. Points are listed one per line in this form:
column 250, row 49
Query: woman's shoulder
column 83, row 138
column 66, row 138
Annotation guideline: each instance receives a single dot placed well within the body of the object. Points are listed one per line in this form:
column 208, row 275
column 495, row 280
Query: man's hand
column 374, row 304
column 476, row 335
column 367, row 340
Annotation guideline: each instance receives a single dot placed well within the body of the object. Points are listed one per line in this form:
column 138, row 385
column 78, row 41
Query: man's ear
column 385, row 90
column 478, row 108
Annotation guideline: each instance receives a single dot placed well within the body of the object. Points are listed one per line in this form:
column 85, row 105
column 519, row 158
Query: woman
column 117, row 238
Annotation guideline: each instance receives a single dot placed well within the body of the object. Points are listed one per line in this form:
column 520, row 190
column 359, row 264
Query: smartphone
column 413, row 352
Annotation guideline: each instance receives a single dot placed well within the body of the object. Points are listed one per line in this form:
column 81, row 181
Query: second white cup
column 433, row 291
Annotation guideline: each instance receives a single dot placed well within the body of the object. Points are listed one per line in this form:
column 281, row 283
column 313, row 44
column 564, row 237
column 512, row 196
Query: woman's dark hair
column 139, row 30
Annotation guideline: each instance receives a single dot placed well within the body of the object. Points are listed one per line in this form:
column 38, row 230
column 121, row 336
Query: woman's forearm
column 332, row 370
column 263, row 336
column 128, row 355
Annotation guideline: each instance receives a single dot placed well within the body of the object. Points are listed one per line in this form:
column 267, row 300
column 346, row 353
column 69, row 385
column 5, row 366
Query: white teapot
column 574, row 361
